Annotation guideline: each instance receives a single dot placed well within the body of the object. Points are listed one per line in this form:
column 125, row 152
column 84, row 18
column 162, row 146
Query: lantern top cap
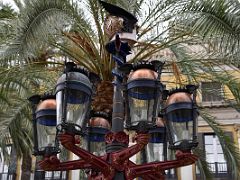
column 143, row 65
column 101, row 114
column 180, row 95
column 152, row 65
column 47, row 104
column 145, row 70
column 178, row 90
column 129, row 20
column 190, row 89
column 48, row 96
column 35, row 99
column 72, row 67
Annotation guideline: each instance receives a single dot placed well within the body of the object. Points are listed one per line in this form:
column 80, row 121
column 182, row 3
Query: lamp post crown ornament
column 120, row 21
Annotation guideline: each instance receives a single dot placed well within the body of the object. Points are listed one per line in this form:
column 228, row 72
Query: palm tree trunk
column 103, row 100
column 26, row 167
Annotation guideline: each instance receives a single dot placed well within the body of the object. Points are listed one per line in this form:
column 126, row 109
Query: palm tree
column 47, row 31
column 31, row 47
column 216, row 23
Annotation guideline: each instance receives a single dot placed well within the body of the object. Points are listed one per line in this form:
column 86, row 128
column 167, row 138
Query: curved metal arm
column 53, row 164
column 68, row 141
column 119, row 157
column 183, row 159
column 158, row 176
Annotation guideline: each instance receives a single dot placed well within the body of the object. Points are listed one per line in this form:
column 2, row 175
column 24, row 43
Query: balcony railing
column 50, row 175
column 218, row 167
column 7, row 176
column 219, row 170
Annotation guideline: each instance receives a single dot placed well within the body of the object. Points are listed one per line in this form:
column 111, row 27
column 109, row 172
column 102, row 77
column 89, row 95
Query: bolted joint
column 67, row 140
column 118, row 137
column 142, row 139
column 53, row 159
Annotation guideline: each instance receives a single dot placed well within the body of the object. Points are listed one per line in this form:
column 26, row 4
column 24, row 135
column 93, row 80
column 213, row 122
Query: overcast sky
column 8, row 2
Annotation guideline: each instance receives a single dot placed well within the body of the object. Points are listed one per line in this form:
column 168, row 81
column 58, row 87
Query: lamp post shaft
column 118, row 108
column 118, row 103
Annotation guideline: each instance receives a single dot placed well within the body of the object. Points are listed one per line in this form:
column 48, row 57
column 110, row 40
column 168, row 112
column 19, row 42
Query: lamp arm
column 52, row 163
column 158, row 176
column 120, row 156
column 183, row 159
column 68, row 141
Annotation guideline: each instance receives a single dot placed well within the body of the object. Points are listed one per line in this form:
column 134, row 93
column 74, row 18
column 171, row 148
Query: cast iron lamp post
column 139, row 98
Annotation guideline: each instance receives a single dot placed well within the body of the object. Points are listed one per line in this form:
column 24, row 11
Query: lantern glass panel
column 181, row 125
column 76, row 108
column 97, row 148
column 95, row 140
column 141, row 103
column 154, row 152
column 46, row 127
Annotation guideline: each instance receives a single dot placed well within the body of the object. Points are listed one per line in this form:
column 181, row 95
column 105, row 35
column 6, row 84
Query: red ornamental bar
column 117, row 161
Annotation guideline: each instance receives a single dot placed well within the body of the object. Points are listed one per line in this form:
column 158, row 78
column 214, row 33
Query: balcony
column 50, row 175
column 219, row 170
column 7, row 176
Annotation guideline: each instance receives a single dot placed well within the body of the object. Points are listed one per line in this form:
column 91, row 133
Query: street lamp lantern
column 155, row 150
column 100, row 119
column 73, row 95
column 181, row 117
column 44, row 124
column 98, row 126
column 144, row 91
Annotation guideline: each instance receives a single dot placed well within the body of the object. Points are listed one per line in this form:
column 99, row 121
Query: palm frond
column 216, row 20
column 6, row 12
column 230, row 150
column 16, row 84
column 38, row 21
column 15, row 121
column 202, row 164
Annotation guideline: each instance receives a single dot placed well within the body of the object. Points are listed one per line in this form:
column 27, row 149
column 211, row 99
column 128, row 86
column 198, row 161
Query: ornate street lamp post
column 139, row 98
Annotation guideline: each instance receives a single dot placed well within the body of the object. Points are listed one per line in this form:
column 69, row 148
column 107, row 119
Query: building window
column 211, row 91
column 214, row 154
column 55, row 175
column 8, row 167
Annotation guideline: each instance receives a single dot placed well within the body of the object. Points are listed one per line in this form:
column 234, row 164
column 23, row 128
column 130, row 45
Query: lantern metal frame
column 115, row 164
column 185, row 145
column 35, row 100
column 96, row 133
column 67, row 85
column 156, row 85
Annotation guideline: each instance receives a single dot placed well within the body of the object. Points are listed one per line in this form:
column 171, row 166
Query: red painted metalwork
column 68, row 141
column 182, row 159
column 120, row 158
column 104, row 167
column 48, row 165
column 120, row 137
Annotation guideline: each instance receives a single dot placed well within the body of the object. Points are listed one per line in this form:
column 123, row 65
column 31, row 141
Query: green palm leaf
column 230, row 150
column 214, row 20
